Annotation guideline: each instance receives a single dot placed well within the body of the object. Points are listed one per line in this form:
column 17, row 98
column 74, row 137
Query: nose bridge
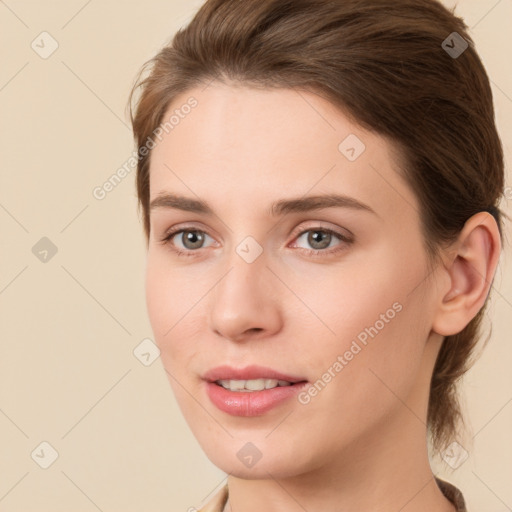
column 247, row 270
column 249, row 250
column 244, row 299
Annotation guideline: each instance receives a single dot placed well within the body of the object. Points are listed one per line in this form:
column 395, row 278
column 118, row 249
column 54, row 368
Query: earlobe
column 469, row 271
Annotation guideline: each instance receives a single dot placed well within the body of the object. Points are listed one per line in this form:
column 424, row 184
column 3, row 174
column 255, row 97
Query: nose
column 246, row 302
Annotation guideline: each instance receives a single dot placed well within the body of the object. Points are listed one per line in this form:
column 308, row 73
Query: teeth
column 252, row 385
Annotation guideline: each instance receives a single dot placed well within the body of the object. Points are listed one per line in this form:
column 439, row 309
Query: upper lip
column 248, row 373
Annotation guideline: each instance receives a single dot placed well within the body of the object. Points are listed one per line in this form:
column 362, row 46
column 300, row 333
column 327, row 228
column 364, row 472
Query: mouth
column 251, row 391
column 250, row 378
column 253, row 384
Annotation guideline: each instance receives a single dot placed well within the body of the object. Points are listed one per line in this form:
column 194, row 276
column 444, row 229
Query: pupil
column 191, row 235
column 314, row 237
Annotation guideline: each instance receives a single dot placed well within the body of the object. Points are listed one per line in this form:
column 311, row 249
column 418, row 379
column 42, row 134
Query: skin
column 360, row 443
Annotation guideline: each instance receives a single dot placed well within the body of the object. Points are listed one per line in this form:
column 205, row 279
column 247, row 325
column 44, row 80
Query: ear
column 470, row 264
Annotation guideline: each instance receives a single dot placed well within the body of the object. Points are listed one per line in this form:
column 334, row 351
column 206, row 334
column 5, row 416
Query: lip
column 249, row 403
column 248, row 373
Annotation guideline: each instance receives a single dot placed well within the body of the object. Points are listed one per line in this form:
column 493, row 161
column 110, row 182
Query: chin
column 257, row 460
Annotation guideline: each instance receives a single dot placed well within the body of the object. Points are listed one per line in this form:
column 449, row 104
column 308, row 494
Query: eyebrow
column 281, row 207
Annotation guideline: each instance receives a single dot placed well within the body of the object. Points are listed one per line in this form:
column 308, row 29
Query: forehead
column 239, row 143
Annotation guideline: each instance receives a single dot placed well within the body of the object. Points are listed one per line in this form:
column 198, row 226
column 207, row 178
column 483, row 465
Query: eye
column 190, row 238
column 319, row 238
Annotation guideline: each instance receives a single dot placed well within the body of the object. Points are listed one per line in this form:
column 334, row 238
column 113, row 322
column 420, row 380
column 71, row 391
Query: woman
column 319, row 184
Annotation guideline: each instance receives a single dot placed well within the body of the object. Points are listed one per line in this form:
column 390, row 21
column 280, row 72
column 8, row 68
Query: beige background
column 69, row 326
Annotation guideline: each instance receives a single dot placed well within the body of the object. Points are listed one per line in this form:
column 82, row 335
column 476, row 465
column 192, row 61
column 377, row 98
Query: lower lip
column 250, row 403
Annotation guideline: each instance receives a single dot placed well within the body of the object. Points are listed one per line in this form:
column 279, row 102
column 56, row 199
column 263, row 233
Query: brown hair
column 381, row 62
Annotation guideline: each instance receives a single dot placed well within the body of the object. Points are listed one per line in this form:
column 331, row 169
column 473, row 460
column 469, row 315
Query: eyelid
column 182, row 227
column 300, row 230
column 319, row 226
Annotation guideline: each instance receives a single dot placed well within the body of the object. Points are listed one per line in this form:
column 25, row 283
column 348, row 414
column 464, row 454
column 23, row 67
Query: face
column 333, row 297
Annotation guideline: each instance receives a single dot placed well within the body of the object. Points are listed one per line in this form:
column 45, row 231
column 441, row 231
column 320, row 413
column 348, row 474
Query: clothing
column 452, row 493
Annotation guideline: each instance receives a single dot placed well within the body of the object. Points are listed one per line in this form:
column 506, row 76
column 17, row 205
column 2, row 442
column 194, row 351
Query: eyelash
column 314, row 252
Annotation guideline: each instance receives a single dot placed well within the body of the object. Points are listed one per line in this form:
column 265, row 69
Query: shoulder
column 452, row 493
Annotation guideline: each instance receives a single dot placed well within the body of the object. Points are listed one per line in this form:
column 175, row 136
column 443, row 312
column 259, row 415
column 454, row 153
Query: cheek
column 379, row 379
column 170, row 301
column 374, row 316
column 374, row 377
column 356, row 299
column 157, row 296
